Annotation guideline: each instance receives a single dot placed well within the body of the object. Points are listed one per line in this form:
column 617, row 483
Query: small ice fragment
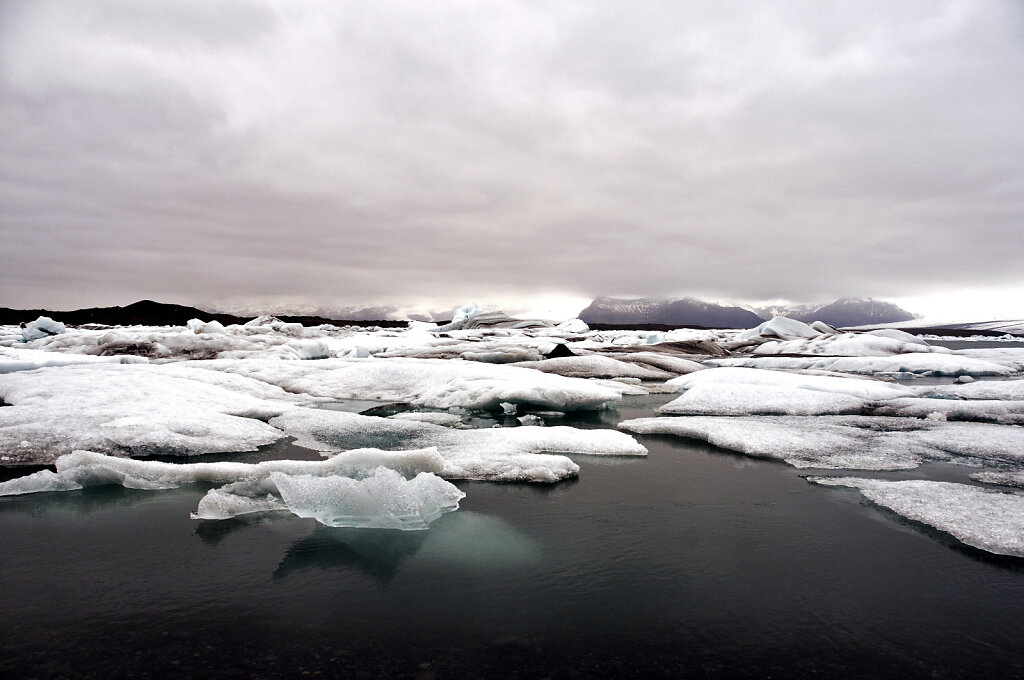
column 508, row 407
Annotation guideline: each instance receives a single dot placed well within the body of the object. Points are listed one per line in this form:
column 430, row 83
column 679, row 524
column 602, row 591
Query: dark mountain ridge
column 150, row 313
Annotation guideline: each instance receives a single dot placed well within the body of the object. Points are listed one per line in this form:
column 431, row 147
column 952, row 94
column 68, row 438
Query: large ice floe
column 431, row 383
column 847, row 442
column 133, row 410
column 362, row 488
column 983, row 518
column 491, row 454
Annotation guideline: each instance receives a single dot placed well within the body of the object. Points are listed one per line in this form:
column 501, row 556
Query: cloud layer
column 360, row 152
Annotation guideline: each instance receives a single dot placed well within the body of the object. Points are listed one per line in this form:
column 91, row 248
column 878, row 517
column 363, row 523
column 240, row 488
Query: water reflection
column 376, row 552
column 462, row 540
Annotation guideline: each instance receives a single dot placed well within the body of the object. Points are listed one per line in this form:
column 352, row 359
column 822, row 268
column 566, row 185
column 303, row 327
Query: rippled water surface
column 694, row 562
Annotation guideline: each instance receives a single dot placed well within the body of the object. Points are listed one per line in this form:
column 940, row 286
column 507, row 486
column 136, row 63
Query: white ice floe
column 24, row 359
column 850, row 344
column 916, row 363
column 854, row 387
column 1004, row 390
column 724, row 399
column 595, row 366
column 133, row 410
column 432, row 417
column 987, row 519
column 981, row 410
column 803, row 442
column 383, row 500
column 81, row 469
column 493, row 454
column 779, row 327
column 364, row 489
column 663, row 361
column 427, row 382
column 847, row 442
column 42, row 327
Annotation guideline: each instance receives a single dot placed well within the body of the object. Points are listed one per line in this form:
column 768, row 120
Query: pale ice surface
column 24, row 359
column 131, row 410
column 854, row 387
column 733, row 399
column 982, row 410
column 847, row 442
column 432, row 383
column 987, row 519
column 803, row 442
column 595, row 366
column 779, row 327
column 88, row 468
column 675, row 365
column 917, row 363
column 1005, row 390
column 382, row 500
column 492, row 454
column 850, row 344
column 364, row 489
column 40, row 328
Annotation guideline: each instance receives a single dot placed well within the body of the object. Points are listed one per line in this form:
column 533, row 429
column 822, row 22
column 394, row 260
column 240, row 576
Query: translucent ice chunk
column 383, row 500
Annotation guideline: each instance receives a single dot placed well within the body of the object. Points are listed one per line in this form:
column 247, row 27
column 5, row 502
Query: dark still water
column 691, row 563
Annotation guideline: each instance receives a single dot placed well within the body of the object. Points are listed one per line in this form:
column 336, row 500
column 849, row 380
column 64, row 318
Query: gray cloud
column 359, row 153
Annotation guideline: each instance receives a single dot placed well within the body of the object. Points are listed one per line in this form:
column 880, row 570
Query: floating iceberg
column 383, row 500
column 987, row 519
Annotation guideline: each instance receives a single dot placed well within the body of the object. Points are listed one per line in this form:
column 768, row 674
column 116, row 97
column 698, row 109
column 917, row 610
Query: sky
column 252, row 154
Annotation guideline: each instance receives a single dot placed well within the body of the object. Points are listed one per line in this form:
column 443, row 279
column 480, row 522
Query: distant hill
column 150, row 313
column 672, row 313
column 842, row 313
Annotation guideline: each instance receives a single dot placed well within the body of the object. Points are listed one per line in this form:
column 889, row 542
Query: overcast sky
column 431, row 153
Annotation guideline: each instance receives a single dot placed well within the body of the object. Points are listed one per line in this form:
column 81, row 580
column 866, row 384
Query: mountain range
column 844, row 312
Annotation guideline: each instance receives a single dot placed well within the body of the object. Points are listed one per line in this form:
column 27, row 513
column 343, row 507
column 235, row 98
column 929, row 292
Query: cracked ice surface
column 984, row 518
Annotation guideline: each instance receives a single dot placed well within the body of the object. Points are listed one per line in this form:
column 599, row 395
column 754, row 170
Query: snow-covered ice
column 916, row 363
column 595, row 366
column 727, row 399
column 133, row 410
column 854, row 387
column 42, row 327
column 492, row 454
column 983, row 518
column 431, row 383
column 847, row 442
